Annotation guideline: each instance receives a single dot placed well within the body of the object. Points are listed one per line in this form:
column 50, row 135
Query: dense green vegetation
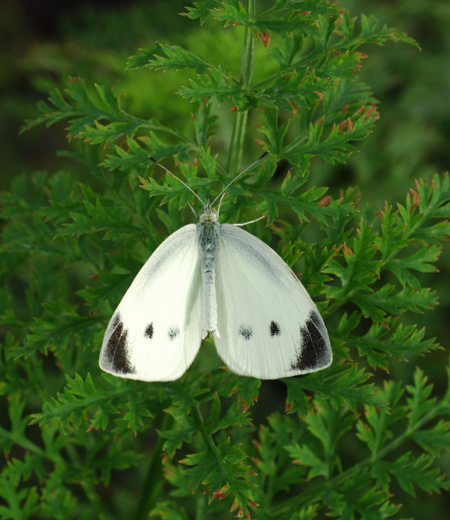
column 83, row 209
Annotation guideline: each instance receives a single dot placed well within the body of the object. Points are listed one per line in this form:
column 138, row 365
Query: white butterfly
column 215, row 278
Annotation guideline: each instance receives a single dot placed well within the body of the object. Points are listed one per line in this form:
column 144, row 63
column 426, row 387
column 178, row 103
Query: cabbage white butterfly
column 215, row 278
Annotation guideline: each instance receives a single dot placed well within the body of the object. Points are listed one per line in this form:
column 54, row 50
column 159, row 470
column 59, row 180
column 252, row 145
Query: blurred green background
column 43, row 43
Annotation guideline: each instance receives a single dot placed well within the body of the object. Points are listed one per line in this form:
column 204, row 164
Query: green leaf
column 166, row 57
column 218, row 84
column 412, row 471
column 202, row 10
column 69, row 410
column 339, row 384
column 336, row 145
column 222, row 470
column 376, row 432
column 83, row 106
column 376, row 305
column 135, row 156
column 435, row 439
column 370, row 32
column 304, row 455
column 57, row 329
column 392, row 340
column 420, row 402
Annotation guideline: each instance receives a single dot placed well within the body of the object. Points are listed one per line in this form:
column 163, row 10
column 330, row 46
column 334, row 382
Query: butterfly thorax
column 207, row 229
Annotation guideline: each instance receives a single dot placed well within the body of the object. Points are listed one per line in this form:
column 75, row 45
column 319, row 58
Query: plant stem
column 154, row 481
column 240, row 123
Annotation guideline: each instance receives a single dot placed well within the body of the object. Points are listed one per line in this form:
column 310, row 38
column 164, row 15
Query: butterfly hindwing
column 268, row 326
column 156, row 330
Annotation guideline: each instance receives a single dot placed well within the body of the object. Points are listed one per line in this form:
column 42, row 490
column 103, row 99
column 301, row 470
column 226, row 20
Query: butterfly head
column 209, row 214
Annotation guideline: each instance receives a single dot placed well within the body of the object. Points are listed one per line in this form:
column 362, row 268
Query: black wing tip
column 115, row 356
column 315, row 352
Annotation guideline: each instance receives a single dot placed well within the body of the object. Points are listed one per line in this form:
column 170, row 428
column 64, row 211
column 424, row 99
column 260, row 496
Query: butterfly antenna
column 193, row 210
column 239, row 175
column 220, row 203
column 175, row 177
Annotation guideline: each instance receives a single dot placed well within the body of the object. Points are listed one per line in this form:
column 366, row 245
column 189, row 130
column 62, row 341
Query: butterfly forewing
column 156, row 330
column 268, row 326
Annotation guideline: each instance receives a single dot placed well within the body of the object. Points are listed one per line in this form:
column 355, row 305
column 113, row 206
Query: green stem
column 154, row 482
column 240, row 123
column 25, row 443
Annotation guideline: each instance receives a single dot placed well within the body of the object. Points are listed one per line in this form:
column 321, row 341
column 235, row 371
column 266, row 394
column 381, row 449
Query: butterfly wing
column 268, row 326
column 156, row 330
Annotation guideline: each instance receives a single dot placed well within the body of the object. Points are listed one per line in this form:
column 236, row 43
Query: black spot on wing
column 274, row 329
column 314, row 352
column 116, row 349
column 149, row 331
column 246, row 332
column 173, row 332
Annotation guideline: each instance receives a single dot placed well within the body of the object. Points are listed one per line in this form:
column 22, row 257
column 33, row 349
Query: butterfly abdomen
column 208, row 245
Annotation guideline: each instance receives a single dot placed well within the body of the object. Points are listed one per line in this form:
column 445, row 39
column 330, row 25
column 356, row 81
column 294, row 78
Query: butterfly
column 212, row 278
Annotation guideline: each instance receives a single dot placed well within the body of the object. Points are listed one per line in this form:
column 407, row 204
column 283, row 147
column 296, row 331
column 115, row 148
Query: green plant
column 344, row 445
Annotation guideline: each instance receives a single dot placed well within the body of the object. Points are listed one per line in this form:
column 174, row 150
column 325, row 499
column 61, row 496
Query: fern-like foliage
column 347, row 442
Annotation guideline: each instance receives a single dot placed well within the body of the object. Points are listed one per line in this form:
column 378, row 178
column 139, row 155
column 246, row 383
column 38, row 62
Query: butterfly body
column 215, row 278
column 208, row 229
